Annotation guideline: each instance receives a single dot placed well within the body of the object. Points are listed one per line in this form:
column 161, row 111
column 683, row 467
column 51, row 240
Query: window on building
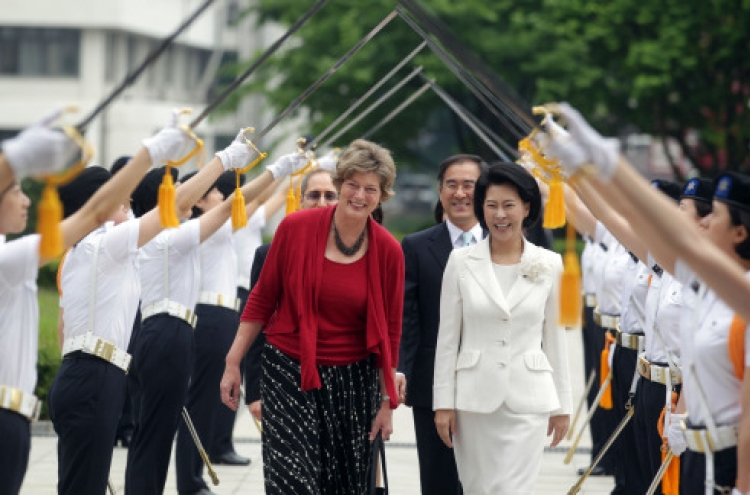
column 46, row 52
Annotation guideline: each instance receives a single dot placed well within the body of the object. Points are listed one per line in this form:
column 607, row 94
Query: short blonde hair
column 365, row 156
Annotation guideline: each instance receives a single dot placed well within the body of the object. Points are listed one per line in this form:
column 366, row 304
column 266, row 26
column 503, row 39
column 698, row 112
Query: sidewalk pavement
column 401, row 453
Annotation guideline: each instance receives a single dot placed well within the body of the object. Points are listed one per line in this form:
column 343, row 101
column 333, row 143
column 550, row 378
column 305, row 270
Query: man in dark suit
column 426, row 254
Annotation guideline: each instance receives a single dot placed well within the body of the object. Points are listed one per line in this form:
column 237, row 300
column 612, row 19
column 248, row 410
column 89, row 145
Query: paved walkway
column 403, row 474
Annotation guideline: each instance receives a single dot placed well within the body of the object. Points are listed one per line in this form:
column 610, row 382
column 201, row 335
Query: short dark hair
column 514, row 175
column 741, row 216
column 452, row 160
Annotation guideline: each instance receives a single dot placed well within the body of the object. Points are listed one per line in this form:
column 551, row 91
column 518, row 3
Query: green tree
column 660, row 67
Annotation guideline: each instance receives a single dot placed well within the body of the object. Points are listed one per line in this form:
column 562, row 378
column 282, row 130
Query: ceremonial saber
column 135, row 73
column 396, row 111
column 264, row 56
column 476, row 88
column 373, row 106
column 577, row 487
column 589, row 384
column 466, row 120
column 497, row 86
column 660, row 473
column 298, row 101
column 365, row 96
column 590, row 414
column 111, row 487
column 199, row 445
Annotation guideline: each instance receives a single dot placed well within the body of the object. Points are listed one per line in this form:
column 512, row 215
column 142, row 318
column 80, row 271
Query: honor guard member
column 35, row 150
column 659, row 363
column 100, row 292
column 592, row 257
column 217, row 323
column 245, row 241
column 715, row 357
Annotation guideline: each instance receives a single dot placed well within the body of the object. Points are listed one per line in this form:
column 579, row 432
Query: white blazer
column 492, row 350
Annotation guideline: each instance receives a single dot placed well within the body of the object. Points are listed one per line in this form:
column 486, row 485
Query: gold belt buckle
column 104, row 349
column 644, row 368
column 16, row 396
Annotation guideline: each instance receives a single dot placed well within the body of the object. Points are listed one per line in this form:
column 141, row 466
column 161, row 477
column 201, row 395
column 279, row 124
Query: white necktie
column 467, row 238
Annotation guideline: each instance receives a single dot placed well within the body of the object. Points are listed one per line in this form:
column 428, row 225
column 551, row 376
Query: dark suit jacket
column 252, row 358
column 426, row 254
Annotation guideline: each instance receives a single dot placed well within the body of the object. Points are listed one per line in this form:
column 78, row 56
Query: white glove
column 39, row 149
column 328, row 162
column 603, row 152
column 168, row 143
column 287, row 165
column 676, row 435
column 237, row 154
column 736, row 491
column 555, row 142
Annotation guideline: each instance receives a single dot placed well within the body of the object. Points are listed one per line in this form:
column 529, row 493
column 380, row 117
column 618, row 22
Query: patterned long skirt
column 316, row 442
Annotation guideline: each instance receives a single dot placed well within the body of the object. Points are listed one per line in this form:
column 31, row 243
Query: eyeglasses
column 315, row 195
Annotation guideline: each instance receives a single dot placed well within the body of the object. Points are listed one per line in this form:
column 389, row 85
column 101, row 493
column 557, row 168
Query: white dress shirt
column 183, row 266
column 634, row 300
column 663, row 311
column 118, row 287
column 704, row 334
column 246, row 241
column 457, row 234
column 19, row 312
column 219, row 264
column 612, row 273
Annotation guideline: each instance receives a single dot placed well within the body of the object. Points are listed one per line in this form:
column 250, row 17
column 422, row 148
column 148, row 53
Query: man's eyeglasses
column 315, row 195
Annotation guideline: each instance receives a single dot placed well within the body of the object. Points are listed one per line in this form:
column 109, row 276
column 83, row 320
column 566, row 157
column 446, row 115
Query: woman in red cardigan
column 329, row 300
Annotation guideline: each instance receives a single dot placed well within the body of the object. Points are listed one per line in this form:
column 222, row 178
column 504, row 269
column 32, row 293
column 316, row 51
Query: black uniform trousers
column 603, row 421
column 629, row 478
column 222, row 441
column 214, row 335
column 434, row 456
column 126, row 425
column 85, row 402
column 649, row 405
column 693, row 471
column 15, row 445
column 163, row 355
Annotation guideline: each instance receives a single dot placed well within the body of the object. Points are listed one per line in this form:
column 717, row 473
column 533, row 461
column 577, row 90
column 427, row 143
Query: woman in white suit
column 501, row 368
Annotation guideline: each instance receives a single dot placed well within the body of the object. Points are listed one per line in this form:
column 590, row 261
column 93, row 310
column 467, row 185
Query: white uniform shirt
column 246, row 241
column 19, row 312
column 704, row 334
column 118, row 286
column 612, row 273
column 663, row 309
column 183, row 268
column 219, row 263
column 589, row 257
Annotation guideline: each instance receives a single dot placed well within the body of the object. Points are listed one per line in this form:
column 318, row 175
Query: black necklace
column 346, row 250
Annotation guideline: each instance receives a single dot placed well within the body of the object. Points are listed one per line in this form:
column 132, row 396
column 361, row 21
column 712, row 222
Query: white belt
column 589, row 300
column 657, row 373
column 172, row 309
column 97, row 346
column 700, row 440
column 628, row 340
column 13, row 399
column 606, row 321
column 214, row 299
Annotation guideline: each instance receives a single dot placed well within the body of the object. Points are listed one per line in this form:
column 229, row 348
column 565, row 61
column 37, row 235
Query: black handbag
column 378, row 484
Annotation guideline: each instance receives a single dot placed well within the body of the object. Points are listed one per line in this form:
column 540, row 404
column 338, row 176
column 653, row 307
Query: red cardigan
column 286, row 295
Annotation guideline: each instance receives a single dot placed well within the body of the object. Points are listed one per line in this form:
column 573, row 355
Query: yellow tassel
column 570, row 286
column 166, row 200
column 239, row 215
column 298, row 197
column 670, row 483
column 291, row 201
column 606, row 402
column 48, row 223
column 554, row 211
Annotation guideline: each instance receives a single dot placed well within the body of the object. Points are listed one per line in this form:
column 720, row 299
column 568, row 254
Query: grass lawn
column 49, row 349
